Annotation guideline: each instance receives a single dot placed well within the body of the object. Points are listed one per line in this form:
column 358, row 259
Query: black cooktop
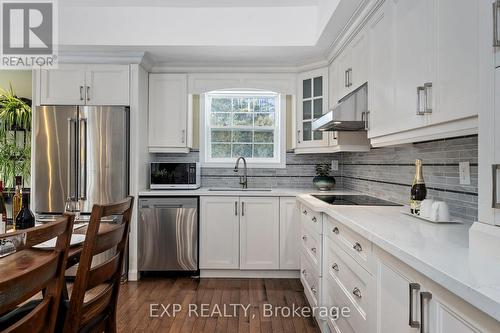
column 354, row 200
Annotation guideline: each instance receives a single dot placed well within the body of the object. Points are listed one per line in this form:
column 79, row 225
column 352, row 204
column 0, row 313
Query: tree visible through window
column 242, row 123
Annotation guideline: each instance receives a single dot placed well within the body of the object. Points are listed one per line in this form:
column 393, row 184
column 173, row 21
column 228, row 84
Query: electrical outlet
column 335, row 165
column 464, row 171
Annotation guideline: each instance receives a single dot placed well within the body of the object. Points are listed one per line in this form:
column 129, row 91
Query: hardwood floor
column 198, row 302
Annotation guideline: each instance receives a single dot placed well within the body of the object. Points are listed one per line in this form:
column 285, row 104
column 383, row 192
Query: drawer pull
column 357, row 247
column 304, row 238
column 336, row 231
column 304, row 272
column 314, row 219
column 314, row 291
column 304, row 212
column 335, row 267
column 356, row 292
column 313, row 250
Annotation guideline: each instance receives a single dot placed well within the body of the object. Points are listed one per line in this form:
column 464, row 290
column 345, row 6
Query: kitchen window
column 242, row 123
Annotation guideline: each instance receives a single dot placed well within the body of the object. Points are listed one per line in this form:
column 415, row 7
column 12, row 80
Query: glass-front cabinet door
column 312, row 103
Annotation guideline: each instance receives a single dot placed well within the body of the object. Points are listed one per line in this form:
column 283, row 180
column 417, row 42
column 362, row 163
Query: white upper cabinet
column 360, row 51
column 312, row 103
column 85, row 85
column 259, row 233
column 219, row 233
column 413, row 51
column 168, row 113
column 63, row 86
column 107, row 84
column 455, row 86
column 289, row 234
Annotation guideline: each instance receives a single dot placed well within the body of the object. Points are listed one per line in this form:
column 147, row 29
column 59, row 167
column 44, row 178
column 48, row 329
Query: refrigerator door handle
column 83, row 159
column 71, row 157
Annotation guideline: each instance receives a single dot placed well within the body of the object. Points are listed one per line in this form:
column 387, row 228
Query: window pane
column 318, row 86
column 240, row 105
column 306, row 110
column 221, row 136
column 265, row 105
column 221, row 150
column 263, row 151
column 306, row 88
column 306, row 127
column 220, row 104
column 318, row 108
column 242, row 136
column 318, row 135
column 221, row 119
column 264, row 119
column 243, row 119
column 244, row 150
column 263, row 136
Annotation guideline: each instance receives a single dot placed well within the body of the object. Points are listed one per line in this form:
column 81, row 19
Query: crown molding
column 86, row 57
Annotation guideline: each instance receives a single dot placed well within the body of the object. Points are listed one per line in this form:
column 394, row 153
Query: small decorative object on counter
column 323, row 181
column 25, row 218
column 418, row 189
column 17, row 200
column 3, row 211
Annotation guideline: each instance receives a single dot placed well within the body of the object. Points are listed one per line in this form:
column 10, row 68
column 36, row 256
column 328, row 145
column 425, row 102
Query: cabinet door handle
column 357, row 247
column 364, row 117
column 313, row 250
column 420, row 99
column 425, row 296
column 183, row 135
column 428, row 97
column 349, row 77
column 304, row 212
column 495, row 203
column 81, row 93
column 304, row 272
column 496, row 9
column 335, row 267
column 242, row 209
column 356, row 292
column 304, row 238
column 336, row 231
column 87, row 93
column 314, row 291
column 298, row 136
column 314, row 219
column 346, row 78
column 236, row 208
column 414, row 287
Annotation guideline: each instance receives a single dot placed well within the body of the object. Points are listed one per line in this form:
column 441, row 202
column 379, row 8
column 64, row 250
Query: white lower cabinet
column 259, row 233
column 219, row 233
column 248, row 233
column 289, row 233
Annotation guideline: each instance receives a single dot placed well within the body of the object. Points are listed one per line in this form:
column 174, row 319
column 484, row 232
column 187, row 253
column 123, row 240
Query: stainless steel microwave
column 168, row 175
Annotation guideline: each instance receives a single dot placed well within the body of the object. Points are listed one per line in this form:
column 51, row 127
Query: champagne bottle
column 17, row 200
column 3, row 211
column 25, row 218
column 418, row 189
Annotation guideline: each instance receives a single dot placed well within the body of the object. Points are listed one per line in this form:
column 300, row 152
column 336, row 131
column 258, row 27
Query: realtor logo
column 28, row 33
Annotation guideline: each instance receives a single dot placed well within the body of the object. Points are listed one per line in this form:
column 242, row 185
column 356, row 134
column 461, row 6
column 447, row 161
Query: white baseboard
column 133, row 275
column 236, row 273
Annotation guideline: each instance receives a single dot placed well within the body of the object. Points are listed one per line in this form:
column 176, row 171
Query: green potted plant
column 323, row 181
column 15, row 136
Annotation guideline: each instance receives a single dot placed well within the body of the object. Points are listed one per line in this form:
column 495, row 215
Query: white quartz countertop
column 439, row 251
column 205, row 191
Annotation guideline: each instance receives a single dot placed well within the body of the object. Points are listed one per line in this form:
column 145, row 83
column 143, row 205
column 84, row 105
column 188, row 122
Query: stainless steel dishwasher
column 168, row 234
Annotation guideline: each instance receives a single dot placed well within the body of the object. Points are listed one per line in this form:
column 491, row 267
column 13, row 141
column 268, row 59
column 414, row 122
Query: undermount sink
column 227, row 189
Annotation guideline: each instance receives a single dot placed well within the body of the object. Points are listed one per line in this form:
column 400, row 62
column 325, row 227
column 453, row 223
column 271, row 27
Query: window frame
column 278, row 161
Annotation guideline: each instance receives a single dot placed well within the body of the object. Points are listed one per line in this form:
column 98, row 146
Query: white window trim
column 280, row 147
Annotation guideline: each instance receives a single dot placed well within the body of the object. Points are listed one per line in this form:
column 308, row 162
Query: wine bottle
column 418, row 189
column 25, row 218
column 3, row 211
column 17, row 200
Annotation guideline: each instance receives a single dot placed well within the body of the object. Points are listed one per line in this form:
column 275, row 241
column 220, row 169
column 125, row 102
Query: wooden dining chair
column 93, row 301
column 27, row 272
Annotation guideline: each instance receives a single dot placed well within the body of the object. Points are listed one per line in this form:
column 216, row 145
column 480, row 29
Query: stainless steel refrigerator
column 81, row 152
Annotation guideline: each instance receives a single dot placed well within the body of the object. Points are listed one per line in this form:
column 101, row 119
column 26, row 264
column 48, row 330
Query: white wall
column 20, row 80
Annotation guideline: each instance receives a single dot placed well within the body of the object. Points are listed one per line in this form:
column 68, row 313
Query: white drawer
column 311, row 219
column 311, row 245
column 355, row 245
column 357, row 321
column 310, row 280
column 338, row 324
column 353, row 279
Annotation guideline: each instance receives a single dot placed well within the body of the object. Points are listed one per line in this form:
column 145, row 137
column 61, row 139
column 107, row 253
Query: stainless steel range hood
column 348, row 115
